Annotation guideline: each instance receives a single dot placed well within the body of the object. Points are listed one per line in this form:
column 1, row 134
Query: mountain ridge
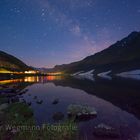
column 10, row 62
column 122, row 52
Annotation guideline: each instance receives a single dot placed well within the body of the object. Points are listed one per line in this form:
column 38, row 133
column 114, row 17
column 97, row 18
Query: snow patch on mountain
column 74, row 74
column 84, row 75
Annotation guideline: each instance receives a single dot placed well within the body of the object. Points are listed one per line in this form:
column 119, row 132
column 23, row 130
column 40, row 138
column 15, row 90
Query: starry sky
column 43, row 33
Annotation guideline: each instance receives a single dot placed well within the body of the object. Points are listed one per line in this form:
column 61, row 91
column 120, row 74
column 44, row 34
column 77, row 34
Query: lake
column 116, row 101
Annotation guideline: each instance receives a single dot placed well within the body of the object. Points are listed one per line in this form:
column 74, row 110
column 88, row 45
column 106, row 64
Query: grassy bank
column 18, row 124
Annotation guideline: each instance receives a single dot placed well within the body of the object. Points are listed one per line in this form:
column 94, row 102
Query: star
column 43, row 14
column 70, row 25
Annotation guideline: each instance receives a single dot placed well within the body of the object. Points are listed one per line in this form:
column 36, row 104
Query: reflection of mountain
column 124, row 94
column 124, row 55
column 17, row 84
column 120, row 92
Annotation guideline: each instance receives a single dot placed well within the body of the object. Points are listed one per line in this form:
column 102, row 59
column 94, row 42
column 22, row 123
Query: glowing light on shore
column 4, row 71
column 30, row 72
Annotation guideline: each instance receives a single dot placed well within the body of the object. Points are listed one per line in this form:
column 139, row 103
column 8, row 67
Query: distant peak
column 131, row 36
column 134, row 33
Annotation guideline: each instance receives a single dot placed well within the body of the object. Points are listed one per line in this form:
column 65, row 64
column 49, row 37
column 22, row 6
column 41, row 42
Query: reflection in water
column 51, row 78
column 11, row 81
column 120, row 92
column 41, row 79
column 110, row 98
column 131, row 76
column 106, row 77
column 31, row 79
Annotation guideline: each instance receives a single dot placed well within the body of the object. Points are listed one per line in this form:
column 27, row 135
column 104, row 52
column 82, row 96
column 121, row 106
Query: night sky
column 44, row 33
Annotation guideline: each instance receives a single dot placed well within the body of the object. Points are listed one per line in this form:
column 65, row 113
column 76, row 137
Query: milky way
column 44, row 33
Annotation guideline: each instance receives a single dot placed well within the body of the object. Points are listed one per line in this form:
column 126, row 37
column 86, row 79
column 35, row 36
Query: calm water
column 116, row 101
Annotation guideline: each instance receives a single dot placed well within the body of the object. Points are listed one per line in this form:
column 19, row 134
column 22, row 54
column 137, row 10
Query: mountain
column 123, row 55
column 11, row 63
column 42, row 70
